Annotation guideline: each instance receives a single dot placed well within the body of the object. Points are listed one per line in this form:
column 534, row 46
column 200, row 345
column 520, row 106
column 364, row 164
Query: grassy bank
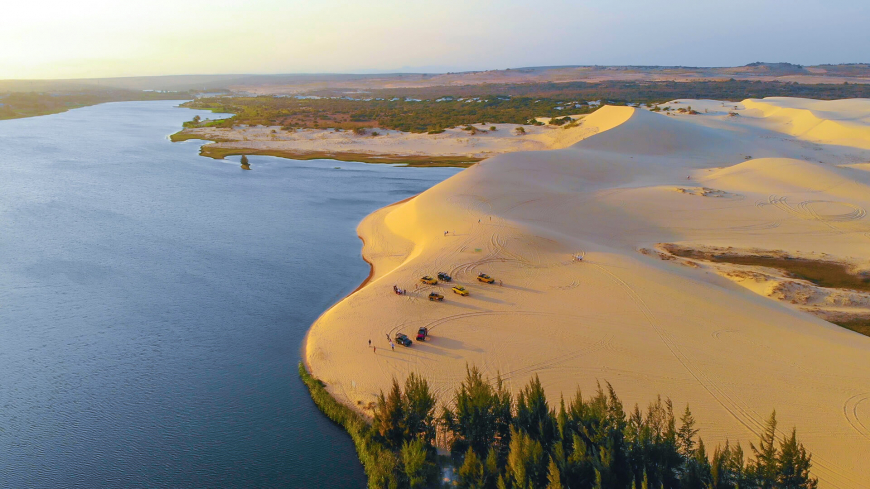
column 187, row 136
column 378, row 461
column 220, row 153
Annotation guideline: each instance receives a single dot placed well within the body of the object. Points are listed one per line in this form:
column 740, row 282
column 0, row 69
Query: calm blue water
column 153, row 304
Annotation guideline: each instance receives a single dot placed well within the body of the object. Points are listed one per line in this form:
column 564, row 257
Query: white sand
column 787, row 174
column 452, row 142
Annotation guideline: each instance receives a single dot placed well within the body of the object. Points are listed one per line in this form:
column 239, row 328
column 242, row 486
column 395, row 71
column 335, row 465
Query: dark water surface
column 153, row 303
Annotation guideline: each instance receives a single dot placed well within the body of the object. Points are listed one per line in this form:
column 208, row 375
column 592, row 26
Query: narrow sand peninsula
column 451, row 143
column 784, row 176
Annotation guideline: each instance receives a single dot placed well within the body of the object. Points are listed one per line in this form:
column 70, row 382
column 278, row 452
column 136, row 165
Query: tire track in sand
column 850, row 410
column 743, row 415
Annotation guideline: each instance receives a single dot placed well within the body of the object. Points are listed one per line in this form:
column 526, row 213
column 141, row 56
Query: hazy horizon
column 163, row 37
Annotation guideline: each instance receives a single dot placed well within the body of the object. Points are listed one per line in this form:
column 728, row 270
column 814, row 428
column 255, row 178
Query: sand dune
column 732, row 346
column 844, row 122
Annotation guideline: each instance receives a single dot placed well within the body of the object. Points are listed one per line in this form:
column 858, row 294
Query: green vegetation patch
column 186, row 136
column 433, row 109
column 858, row 325
column 424, row 116
column 822, row 273
column 17, row 105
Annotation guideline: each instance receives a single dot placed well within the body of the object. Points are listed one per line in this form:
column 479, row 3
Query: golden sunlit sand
column 783, row 177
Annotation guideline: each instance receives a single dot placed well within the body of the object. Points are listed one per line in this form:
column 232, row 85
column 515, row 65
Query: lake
column 153, row 303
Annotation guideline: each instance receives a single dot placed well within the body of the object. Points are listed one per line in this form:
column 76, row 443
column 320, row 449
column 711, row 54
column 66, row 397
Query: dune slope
column 648, row 325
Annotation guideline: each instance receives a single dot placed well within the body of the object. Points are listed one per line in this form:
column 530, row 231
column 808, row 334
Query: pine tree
column 481, row 418
column 517, row 467
column 389, row 416
column 686, row 435
column 554, row 480
column 471, row 473
column 491, row 470
column 764, row 467
column 534, row 415
column 416, row 467
column 794, row 465
column 420, row 407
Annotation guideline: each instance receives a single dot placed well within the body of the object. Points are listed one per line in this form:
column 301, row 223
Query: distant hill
column 289, row 84
column 772, row 68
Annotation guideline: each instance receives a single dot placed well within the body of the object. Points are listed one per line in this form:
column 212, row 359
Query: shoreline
column 303, row 346
column 452, row 147
column 411, row 161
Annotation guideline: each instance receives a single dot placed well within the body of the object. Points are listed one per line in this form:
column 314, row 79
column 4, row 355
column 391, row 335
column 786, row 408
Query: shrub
column 520, row 131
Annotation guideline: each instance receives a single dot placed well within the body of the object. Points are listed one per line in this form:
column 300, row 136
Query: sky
column 99, row 38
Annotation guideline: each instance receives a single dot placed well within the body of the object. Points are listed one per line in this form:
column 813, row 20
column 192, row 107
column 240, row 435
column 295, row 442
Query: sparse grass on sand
column 219, row 153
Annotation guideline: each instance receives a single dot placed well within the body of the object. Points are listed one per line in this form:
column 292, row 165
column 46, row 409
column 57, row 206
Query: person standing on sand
column 392, row 346
column 375, row 350
column 370, row 343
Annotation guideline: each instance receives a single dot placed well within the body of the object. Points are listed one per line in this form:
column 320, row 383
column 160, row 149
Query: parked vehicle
column 485, row 278
column 428, row 280
column 444, row 277
column 458, row 289
column 422, row 334
column 403, row 339
column 435, row 296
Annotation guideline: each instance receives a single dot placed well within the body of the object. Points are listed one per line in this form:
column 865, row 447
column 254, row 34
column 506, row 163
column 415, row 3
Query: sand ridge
column 646, row 324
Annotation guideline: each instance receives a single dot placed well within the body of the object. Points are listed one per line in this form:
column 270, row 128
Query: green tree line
column 29, row 104
column 433, row 109
column 502, row 441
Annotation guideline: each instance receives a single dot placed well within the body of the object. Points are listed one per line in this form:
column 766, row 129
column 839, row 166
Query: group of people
column 398, row 291
column 389, row 340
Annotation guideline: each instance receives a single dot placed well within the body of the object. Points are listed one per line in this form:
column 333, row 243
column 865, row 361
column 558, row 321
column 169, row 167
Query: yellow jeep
column 485, row 278
column 428, row 280
column 458, row 289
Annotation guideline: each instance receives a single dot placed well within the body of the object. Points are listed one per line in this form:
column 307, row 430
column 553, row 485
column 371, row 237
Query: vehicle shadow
column 437, row 346
column 489, row 299
column 517, row 287
column 463, row 305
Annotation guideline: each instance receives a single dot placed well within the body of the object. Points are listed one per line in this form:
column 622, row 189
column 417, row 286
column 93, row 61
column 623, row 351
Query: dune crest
column 845, row 122
column 582, row 295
